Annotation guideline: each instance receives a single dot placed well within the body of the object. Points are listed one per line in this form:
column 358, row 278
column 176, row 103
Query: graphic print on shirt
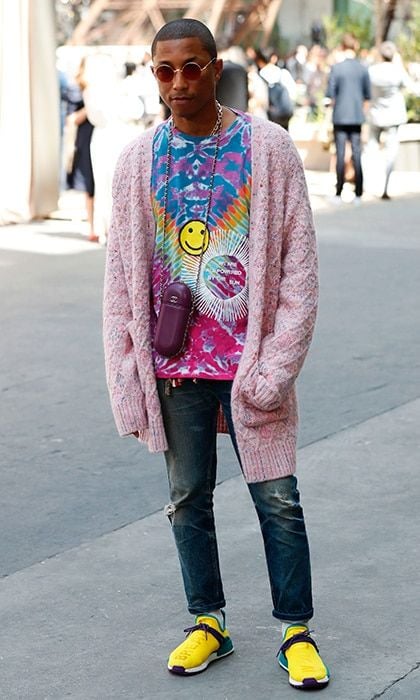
column 222, row 291
column 191, row 237
column 212, row 261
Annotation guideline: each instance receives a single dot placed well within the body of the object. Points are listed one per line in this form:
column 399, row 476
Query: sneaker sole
column 307, row 683
column 220, row 654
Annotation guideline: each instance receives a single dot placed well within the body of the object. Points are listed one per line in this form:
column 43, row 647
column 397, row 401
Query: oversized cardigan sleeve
column 283, row 349
column 127, row 397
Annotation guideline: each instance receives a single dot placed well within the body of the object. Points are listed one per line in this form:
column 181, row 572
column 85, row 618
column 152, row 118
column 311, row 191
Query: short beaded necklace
column 216, row 131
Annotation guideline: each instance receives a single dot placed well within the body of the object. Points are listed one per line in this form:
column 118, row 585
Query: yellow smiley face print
column 194, row 237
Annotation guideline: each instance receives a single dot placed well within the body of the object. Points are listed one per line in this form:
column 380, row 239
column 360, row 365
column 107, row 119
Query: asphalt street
column 85, row 554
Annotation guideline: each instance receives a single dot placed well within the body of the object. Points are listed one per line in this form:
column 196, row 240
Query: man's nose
column 178, row 80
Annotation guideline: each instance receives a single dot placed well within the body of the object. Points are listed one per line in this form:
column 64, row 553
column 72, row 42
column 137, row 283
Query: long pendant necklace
column 216, row 131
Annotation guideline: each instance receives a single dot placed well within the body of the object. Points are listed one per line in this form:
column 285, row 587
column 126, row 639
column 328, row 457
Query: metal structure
column 131, row 22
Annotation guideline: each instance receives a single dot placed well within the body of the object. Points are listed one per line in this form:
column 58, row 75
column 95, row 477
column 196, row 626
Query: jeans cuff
column 207, row 608
column 293, row 617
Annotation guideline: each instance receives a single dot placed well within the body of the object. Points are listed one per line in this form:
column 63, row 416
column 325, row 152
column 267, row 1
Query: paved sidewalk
column 321, row 187
column 97, row 622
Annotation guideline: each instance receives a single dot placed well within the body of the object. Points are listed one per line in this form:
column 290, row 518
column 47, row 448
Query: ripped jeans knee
column 169, row 511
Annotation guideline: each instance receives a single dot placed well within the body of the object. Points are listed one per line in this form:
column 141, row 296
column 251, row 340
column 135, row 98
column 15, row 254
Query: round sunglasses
column 189, row 71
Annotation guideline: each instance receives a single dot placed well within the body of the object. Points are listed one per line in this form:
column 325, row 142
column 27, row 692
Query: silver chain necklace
column 216, row 131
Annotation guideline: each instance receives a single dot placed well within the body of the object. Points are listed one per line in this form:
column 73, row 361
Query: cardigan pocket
column 126, row 391
column 131, row 330
column 254, row 417
column 257, row 391
column 145, row 370
column 261, row 404
column 138, row 379
column 266, row 398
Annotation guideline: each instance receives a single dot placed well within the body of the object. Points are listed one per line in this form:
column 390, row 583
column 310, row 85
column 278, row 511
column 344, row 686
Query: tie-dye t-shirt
column 217, row 334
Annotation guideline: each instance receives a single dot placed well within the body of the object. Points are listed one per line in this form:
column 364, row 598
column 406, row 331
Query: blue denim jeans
column 190, row 419
column 343, row 133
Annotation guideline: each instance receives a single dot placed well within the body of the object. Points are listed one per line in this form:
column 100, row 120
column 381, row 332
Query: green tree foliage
column 409, row 41
column 335, row 27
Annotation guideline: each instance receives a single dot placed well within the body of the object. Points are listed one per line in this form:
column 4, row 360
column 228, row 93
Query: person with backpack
column 281, row 90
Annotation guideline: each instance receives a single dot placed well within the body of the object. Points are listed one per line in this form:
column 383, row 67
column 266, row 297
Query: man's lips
column 180, row 98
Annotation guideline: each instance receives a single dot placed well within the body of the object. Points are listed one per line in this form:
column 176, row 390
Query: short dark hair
column 186, row 29
column 349, row 42
column 260, row 55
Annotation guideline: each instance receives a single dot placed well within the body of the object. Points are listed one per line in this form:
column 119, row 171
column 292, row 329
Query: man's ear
column 218, row 68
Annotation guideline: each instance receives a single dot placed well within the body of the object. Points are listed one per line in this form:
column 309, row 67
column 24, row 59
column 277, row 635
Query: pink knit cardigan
column 283, row 292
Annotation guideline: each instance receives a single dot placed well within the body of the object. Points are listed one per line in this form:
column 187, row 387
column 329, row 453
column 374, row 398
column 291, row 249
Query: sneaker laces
column 204, row 627
column 298, row 637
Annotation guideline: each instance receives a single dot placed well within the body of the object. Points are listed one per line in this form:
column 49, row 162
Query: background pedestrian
column 349, row 89
column 387, row 111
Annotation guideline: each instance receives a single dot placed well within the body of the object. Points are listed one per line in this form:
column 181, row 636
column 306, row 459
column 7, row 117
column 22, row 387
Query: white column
column 29, row 111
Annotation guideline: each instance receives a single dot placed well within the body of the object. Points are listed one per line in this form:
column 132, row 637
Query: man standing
column 232, row 88
column 209, row 309
column 282, row 89
column 348, row 88
column 388, row 110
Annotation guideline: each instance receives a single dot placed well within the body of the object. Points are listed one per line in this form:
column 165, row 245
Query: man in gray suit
column 348, row 88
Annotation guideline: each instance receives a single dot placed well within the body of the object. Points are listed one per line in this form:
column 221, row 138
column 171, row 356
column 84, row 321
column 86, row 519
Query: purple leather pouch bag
column 172, row 323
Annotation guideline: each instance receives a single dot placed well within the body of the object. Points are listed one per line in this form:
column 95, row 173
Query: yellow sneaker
column 206, row 641
column 299, row 656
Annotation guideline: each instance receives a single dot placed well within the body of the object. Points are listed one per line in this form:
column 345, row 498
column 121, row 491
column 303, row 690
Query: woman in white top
column 108, row 109
column 387, row 110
